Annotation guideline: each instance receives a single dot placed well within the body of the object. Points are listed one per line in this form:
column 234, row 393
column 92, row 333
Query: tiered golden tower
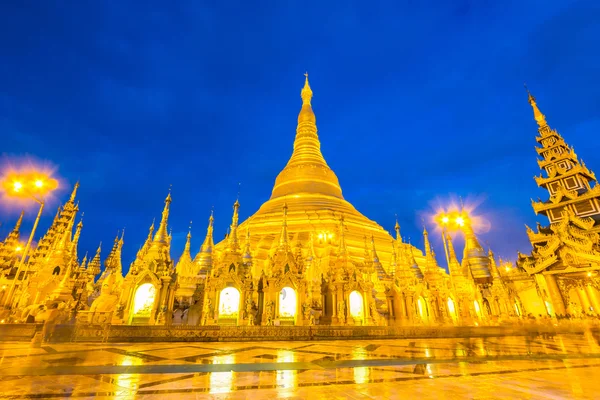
column 566, row 254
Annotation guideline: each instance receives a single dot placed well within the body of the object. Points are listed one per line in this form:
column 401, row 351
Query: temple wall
column 127, row 334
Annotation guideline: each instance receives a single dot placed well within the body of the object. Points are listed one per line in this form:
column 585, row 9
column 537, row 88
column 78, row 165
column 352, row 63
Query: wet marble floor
column 560, row 367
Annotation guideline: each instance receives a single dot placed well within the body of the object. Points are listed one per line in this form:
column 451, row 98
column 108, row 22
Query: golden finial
column 306, row 92
column 74, row 192
column 537, row 114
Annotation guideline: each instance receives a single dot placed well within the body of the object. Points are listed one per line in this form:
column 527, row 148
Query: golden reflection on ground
column 286, row 379
column 129, row 381
column 361, row 374
column 222, row 382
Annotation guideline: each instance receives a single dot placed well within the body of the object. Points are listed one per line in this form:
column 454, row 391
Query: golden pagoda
column 566, row 254
column 306, row 257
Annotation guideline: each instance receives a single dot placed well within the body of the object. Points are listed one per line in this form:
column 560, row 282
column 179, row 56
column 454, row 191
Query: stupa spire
column 454, row 267
column 204, row 257
column 537, row 114
column 307, row 171
column 161, row 233
column 209, row 243
column 185, row 263
column 233, row 243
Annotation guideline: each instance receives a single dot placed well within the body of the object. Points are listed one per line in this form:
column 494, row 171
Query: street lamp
column 30, row 185
column 453, row 220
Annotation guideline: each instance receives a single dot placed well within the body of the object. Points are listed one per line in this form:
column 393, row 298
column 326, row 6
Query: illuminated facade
column 306, row 257
column 566, row 254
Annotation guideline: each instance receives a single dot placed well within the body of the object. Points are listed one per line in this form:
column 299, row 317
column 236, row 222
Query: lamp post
column 32, row 186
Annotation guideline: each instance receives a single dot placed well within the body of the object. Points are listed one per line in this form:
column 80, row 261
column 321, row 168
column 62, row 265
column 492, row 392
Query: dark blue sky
column 415, row 100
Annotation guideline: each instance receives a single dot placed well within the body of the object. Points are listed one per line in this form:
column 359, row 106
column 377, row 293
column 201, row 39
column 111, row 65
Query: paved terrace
column 511, row 367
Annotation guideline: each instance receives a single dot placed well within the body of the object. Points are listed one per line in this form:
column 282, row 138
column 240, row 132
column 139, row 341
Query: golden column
column 555, row 295
column 593, row 296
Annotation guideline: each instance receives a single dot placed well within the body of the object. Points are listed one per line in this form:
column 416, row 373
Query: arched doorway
column 487, row 308
column 229, row 305
column 452, row 310
column 422, row 308
column 287, row 305
column 356, row 307
column 143, row 303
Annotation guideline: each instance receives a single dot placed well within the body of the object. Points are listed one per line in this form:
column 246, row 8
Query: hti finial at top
column 537, row 114
column 529, row 95
column 306, row 92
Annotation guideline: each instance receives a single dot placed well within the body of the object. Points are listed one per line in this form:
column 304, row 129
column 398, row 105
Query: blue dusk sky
column 417, row 103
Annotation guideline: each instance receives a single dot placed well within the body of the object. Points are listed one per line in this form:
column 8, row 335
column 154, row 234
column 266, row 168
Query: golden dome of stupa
column 315, row 205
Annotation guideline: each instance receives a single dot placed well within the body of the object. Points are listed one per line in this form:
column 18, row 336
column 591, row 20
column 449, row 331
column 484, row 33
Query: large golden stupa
column 315, row 204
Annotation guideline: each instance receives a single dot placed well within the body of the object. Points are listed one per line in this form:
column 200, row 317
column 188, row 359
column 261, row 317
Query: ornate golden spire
column 74, row 192
column 474, row 257
column 75, row 241
column 19, row 222
column 94, row 265
column 204, row 257
column 493, row 265
column 307, row 171
column 209, row 243
column 397, row 229
column 185, row 263
column 454, row 266
column 232, row 239
column 537, row 114
column 161, row 234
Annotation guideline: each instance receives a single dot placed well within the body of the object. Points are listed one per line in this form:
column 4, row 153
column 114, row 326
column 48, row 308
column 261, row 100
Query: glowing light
column 287, row 303
column 17, row 186
column 421, row 306
column 460, row 221
column 477, row 308
column 356, row 305
column 222, row 382
column 286, row 379
column 445, row 219
column 3, row 287
column 452, row 310
column 18, row 249
column 229, row 302
column 1, row 322
column 144, row 299
column 39, row 183
column 589, row 274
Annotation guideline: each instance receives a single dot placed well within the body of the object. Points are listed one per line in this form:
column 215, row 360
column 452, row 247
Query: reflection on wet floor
column 497, row 367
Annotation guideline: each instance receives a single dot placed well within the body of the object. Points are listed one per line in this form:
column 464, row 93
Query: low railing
column 182, row 333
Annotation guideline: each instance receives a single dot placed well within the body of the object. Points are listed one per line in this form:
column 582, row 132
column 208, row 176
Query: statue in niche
column 306, row 311
column 249, row 306
column 208, row 311
column 160, row 320
column 342, row 311
column 270, row 307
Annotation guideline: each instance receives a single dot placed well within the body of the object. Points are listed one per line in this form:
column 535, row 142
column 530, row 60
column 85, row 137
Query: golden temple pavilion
column 308, row 257
column 566, row 254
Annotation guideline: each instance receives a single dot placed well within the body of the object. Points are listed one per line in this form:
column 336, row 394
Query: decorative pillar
column 593, row 297
column 585, row 302
column 555, row 295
